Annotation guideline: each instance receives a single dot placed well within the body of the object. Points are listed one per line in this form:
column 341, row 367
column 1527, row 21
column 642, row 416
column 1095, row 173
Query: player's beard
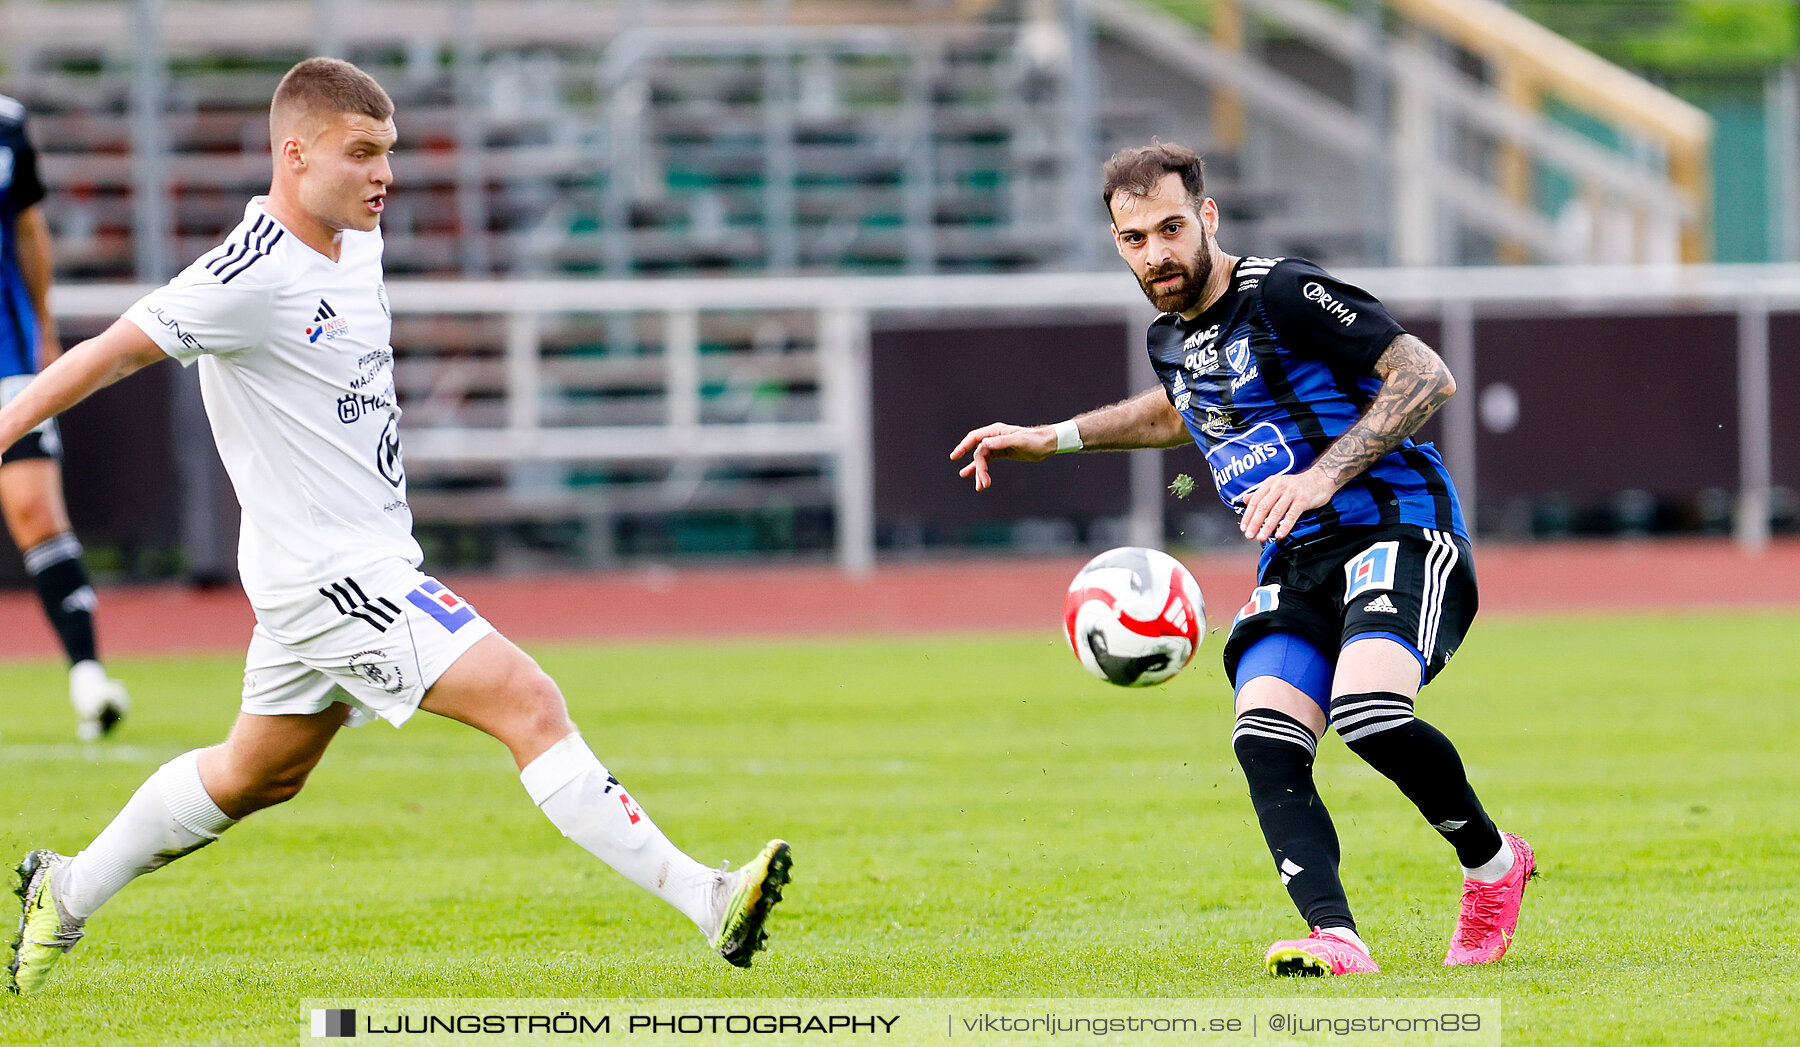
column 1184, row 294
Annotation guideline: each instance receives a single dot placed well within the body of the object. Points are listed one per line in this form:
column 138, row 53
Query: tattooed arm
column 1415, row 382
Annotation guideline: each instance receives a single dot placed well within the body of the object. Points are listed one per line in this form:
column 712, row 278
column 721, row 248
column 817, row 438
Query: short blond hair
column 324, row 86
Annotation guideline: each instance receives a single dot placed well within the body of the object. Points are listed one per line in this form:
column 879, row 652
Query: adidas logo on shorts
column 1381, row 605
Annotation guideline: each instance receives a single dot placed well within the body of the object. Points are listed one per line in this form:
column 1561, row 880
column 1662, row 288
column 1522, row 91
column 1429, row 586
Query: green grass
column 971, row 817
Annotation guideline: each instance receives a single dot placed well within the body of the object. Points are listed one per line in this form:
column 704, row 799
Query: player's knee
column 282, row 787
column 240, row 792
column 541, row 711
column 32, row 523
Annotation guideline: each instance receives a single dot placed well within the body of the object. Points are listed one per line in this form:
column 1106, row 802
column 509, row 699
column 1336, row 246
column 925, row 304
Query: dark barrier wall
column 1784, row 396
column 933, row 384
column 118, row 474
column 1610, row 402
column 1604, row 404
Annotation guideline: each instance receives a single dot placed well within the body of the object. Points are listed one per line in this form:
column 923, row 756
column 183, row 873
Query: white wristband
column 1068, row 436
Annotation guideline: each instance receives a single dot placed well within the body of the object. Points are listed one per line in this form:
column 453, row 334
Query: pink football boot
column 1321, row 952
column 1490, row 911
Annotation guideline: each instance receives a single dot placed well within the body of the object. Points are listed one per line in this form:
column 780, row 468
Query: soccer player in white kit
column 288, row 322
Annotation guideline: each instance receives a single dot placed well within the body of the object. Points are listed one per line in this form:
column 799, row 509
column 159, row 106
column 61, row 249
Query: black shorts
column 1410, row 583
column 42, row 442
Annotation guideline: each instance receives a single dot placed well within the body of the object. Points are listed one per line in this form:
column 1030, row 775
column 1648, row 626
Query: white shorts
column 380, row 659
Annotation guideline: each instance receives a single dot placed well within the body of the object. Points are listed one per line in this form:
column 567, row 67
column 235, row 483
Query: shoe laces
column 1319, row 934
column 64, row 940
column 1483, row 905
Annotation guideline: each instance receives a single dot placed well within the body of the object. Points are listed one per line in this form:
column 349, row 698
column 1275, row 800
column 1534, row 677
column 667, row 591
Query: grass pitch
column 970, row 817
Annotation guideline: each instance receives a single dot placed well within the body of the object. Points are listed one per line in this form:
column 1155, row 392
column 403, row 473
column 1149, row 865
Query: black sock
column 1379, row 726
column 1276, row 752
column 62, row 585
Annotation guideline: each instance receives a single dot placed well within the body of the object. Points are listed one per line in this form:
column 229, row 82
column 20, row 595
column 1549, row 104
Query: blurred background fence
column 683, row 278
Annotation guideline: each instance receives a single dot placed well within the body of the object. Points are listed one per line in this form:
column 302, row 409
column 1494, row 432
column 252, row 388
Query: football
column 1134, row 616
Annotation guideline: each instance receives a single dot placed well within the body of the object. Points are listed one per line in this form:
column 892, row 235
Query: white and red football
column 1134, row 616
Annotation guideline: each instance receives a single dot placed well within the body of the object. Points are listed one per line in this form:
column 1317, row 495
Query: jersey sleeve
column 195, row 314
column 1316, row 314
column 25, row 189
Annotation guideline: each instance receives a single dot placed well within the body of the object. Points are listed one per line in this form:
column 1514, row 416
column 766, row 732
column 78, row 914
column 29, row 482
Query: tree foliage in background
column 1677, row 37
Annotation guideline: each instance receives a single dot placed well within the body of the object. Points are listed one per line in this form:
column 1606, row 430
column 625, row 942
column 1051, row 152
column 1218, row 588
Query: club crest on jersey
column 380, row 670
column 442, row 604
column 1371, row 569
column 1237, row 355
column 326, row 323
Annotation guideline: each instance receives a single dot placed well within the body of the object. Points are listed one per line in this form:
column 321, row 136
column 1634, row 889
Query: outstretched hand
column 1274, row 506
column 1000, row 440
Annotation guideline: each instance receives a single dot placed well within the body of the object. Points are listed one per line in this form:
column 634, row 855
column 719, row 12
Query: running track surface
column 940, row 596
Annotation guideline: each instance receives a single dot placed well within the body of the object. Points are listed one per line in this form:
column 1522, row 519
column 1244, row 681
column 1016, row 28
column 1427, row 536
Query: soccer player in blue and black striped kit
column 30, row 473
column 1304, row 394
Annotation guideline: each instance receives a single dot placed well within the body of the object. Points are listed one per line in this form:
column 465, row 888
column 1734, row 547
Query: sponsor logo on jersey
column 1263, row 599
column 1371, row 569
column 354, row 406
column 1201, row 338
column 442, row 604
column 326, row 323
column 1242, row 462
column 387, row 453
column 1201, row 361
column 187, row 340
column 1315, row 292
column 1218, row 422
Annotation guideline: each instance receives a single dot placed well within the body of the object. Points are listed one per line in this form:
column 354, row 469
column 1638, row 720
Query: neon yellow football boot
column 744, row 899
column 46, row 930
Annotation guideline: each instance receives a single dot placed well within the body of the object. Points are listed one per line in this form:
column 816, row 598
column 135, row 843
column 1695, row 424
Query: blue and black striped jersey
column 19, row 189
column 1277, row 369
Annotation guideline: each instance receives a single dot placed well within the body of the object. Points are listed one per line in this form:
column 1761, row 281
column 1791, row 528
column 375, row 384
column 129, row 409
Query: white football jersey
column 298, row 379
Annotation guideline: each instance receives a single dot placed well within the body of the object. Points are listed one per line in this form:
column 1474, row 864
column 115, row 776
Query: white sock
column 1350, row 936
column 170, row 815
column 576, row 793
column 1494, row 869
